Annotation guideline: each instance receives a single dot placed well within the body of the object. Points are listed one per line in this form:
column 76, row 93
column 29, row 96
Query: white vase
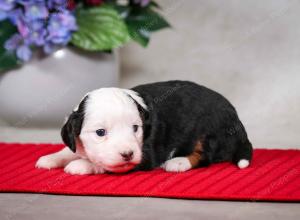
column 43, row 92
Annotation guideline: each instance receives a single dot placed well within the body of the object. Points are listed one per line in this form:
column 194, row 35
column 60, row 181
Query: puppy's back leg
column 56, row 160
column 181, row 164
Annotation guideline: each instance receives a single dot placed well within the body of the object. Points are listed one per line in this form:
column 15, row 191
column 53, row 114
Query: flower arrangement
column 92, row 25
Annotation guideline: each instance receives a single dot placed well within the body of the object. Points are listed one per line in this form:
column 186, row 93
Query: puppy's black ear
column 145, row 115
column 72, row 128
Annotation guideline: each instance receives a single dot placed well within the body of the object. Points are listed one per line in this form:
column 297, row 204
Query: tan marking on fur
column 195, row 157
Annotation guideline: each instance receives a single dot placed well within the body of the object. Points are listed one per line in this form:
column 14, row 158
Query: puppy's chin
column 121, row 168
column 118, row 167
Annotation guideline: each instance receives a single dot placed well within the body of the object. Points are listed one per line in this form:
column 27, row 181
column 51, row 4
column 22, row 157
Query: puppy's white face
column 111, row 133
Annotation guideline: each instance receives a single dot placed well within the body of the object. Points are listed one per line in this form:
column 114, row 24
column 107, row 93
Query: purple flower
column 60, row 27
column 36, row 10
column 26, row 2
column 15, row 14
column 37, row 37
column 22, row 27
column 57, row 4
column 7, row 5
column 3, row 15
column 24, row 53
column 48, row 48
column 16, row 43
column 37, row 33
column 13, row 42
column 67, row 19
column 40, row 23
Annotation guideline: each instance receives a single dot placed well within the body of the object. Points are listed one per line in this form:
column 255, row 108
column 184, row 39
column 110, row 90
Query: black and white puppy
column 177, row 125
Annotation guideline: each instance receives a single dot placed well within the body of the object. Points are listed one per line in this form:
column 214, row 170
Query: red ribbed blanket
column 274, row 175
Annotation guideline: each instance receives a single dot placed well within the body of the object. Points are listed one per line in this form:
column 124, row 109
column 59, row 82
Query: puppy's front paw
column 177, row 164
column 48, row 162
column 82, row 167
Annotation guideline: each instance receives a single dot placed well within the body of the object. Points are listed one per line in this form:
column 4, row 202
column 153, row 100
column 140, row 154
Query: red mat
column 273, row 176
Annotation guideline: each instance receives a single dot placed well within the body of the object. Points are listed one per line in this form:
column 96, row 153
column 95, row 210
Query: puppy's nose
column 127, row 156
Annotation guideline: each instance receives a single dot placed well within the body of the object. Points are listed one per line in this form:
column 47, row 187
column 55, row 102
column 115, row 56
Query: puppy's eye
column 101, row 132
column 135, row 128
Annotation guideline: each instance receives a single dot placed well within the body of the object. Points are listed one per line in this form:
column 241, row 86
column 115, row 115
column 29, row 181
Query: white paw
column 177, row 164
column 82, row 167
column 48, row 162
column 243, row 163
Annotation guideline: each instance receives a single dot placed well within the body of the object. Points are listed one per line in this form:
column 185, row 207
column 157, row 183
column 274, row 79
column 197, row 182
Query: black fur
column 72, row 128
column 180, row 113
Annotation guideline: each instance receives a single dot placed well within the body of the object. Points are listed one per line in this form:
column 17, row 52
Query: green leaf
column 138, row 34
column 147, row 19
column 100, row 28
column 154, row 4
column 8, row 60
column 122, row 10
column 141, row 22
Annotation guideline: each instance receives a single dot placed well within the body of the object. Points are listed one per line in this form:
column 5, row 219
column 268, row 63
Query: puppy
column 176, row 125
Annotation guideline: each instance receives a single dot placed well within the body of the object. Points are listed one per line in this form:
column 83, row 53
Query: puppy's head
column 108, row 128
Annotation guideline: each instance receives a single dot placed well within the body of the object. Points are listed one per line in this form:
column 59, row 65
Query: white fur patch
column 56, row 160
column 82, row 167
column 243, row 163
column 177, row 164
column 112, row 110
column 48, row 162
column 136, row 97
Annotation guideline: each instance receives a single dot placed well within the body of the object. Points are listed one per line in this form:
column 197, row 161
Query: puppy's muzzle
column 127, row 156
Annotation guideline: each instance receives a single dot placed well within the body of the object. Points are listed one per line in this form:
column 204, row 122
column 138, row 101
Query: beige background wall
column 247, row 50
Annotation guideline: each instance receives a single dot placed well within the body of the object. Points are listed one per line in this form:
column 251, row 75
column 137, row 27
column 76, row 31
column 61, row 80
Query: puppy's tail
column 243, row 155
